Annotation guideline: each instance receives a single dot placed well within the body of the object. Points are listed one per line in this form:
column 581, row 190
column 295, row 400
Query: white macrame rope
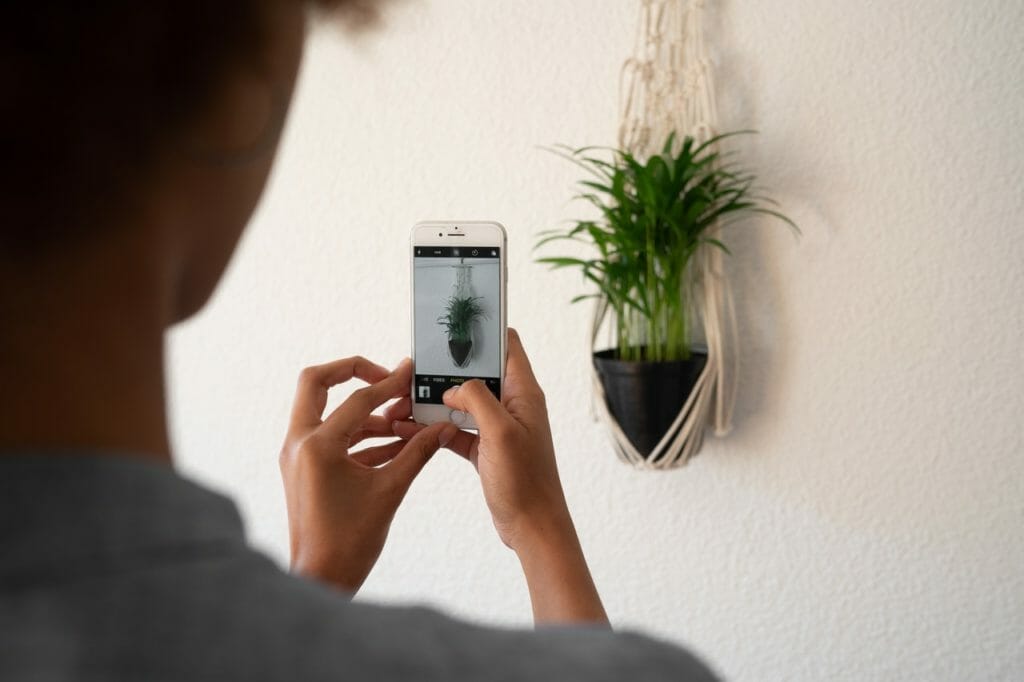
column 665, row 87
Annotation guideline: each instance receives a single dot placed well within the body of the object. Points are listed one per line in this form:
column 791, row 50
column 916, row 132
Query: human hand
column 515, row 458
column 513, row 452
column 341, row 503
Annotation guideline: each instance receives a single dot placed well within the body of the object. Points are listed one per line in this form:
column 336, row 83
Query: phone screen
column 457, row 318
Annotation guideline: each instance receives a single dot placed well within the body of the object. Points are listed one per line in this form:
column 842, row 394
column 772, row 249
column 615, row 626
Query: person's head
column 149, row 122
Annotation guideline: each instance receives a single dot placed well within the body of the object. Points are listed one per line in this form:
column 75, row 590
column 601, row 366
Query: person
column 138, row 137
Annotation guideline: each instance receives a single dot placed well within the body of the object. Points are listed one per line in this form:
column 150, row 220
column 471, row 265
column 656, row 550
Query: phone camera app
column 456, row 318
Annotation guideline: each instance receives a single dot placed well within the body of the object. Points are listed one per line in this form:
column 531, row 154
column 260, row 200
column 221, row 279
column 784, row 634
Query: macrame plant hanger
column 666, row 87
column 463, row 286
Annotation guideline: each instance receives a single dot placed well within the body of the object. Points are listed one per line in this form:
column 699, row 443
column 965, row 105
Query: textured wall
column 866, row 518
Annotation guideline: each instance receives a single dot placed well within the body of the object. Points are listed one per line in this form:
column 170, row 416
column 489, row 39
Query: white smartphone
column 459, row 278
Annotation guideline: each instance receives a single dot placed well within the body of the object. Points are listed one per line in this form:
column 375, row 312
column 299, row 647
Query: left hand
column 341, row 503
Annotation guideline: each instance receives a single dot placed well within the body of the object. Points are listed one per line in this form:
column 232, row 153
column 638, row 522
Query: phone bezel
column 476, row 233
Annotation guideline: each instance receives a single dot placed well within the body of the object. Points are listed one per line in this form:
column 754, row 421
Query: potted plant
column 653, row 216
column 460, row 314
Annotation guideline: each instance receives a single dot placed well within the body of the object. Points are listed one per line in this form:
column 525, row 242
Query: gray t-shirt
column 118, row 569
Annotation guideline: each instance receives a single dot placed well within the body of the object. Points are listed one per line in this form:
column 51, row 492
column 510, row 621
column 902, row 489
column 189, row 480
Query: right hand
column 516, row 460
column 513, row 452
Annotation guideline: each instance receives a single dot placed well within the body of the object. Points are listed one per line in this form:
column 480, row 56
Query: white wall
column 866, row 518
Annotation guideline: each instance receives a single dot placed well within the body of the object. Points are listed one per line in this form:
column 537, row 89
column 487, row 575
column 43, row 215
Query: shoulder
column 234, row 615
column 318, row 633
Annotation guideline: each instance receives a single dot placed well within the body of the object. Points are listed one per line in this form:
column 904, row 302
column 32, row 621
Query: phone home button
column 457, row 417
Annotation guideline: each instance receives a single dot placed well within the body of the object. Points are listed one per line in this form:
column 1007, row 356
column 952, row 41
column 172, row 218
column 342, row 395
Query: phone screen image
column 457, row 318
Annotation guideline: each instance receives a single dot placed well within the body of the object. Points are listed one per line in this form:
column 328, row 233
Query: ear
column 243, row 125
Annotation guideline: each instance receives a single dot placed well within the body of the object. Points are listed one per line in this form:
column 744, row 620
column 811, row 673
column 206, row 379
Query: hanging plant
column 655, row 216
column 461, row 313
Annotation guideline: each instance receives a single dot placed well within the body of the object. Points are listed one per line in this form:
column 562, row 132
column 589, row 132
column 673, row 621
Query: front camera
column 440, row 234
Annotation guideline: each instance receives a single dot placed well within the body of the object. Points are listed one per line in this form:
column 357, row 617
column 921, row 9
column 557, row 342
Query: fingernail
column 402, row 365
column 450, row 392
column 446, row 435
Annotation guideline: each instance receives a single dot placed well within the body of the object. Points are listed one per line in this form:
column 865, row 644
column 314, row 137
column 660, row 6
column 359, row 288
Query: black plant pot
column 460, row 351
column 645, row 397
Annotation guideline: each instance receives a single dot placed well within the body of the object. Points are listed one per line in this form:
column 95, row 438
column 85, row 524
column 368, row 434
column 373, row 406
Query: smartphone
column 459, row 278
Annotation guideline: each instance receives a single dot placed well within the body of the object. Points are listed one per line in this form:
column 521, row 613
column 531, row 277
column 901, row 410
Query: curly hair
column 91, row 90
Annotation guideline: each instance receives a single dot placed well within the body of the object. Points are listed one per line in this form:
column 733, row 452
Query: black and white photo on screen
column 457, row 316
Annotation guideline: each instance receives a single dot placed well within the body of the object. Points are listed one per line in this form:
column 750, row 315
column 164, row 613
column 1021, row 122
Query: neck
column 81, row 357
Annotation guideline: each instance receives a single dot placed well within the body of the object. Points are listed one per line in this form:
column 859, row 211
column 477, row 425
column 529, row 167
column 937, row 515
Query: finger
column 519, row 377
column 464, row 443
column 311, row 393
column 377, row 455
column 476, row 399
column 418, row 451
column 399, row 410
column 375, row 426
column 406, row 429
column 344, row 421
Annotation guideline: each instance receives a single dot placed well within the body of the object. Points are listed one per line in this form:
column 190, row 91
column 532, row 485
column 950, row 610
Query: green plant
column 460, row 313
column 654, row 216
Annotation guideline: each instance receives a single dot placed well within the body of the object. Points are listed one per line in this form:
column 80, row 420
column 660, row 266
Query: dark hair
column 92, row 89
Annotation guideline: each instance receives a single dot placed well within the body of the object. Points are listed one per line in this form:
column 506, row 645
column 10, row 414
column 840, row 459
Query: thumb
column 476, row 399
column 420, row 448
